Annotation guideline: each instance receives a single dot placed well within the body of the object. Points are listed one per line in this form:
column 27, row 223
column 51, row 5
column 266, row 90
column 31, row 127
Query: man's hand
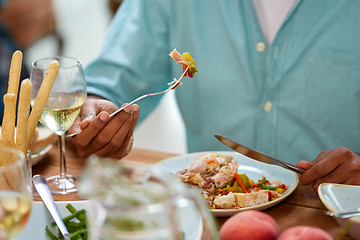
column 340, row 165
column 101, row 135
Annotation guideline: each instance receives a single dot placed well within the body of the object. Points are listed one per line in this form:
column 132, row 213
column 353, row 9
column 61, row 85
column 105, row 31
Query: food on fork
column 26, row 125
column 186, row 61
column 224, row 187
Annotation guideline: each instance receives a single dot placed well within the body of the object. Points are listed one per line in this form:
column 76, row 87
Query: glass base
column 62, row 185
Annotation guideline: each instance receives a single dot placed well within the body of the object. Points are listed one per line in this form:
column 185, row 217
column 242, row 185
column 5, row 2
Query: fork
column 343, row 214
column 171, row 87
column 42, row 188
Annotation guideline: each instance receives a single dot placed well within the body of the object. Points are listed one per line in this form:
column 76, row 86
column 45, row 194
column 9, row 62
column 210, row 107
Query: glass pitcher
column 129, row 201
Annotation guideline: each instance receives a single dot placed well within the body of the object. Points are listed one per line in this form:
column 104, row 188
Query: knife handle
column 293, row 167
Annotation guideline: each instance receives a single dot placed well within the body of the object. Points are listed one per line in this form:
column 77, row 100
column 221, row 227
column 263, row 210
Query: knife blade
column 257, row 155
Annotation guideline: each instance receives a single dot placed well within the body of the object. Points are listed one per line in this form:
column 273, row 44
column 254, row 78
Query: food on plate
column 249, row 224
column 304, row 233
column 76, row 224
column 239, row 200
column 210, row 172
column 224, row 187
column 25, row 125
column 186, row 61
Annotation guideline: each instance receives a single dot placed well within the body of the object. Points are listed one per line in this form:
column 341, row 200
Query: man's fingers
column 305, row 164
column 334, row 166
column 88, row 112
column 112, row 136
column 121, row 142
column 92, row 129
column 322, row 155
column 320, row 169
column 117, row 142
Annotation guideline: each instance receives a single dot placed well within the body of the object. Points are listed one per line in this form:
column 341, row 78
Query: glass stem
column 61, row 143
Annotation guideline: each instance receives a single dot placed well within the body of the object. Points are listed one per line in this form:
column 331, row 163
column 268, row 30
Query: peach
column 304, row 233
column 249, row 224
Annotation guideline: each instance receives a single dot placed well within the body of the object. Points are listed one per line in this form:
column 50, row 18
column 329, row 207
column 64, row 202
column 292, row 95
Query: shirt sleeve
column 134, row 59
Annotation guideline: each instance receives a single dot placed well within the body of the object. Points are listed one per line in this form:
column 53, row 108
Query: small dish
column 342, row 198
column 45, row 140
column 40, row 218
column 190, row 222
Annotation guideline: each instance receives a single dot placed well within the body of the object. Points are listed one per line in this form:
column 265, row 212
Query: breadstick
column 8, row 125
column 41, row 99
column 3, row 142
column 23, row 115
column 14, row 73
column 5, row 159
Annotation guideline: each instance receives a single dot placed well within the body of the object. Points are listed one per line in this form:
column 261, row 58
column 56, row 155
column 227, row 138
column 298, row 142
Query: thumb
column 88, row 111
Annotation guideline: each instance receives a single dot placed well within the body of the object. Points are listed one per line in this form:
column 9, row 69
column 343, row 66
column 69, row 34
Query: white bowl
column 46, row 140
column 342, row 198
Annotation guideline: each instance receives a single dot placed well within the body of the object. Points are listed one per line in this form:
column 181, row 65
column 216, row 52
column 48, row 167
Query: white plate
column 342, row 198
column 253, row 169
column 190, row 222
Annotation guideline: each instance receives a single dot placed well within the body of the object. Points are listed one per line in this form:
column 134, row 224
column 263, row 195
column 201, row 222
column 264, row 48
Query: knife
column 257, row 155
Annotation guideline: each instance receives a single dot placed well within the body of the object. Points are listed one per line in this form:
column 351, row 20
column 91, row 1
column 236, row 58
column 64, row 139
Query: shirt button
column 268, row 106
column 260, row 47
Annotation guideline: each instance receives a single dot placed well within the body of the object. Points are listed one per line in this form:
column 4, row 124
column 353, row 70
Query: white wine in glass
column 15, row 193
column 64, row 104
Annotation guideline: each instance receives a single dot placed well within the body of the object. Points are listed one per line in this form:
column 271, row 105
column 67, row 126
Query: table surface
column 302, row 207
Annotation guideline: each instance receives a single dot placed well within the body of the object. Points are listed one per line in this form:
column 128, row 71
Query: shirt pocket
column 333, row 92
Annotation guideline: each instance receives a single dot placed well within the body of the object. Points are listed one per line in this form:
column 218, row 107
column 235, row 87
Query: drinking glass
column 15, row 192
column 129, row 201
column 66, row 97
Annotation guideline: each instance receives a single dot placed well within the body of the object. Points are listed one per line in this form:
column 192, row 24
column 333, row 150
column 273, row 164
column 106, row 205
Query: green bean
column 50, row 234
column 70, row 208
column 77, row 233
column 263, row 186
column 74, row 215
column 73, row 210
column 75, row 224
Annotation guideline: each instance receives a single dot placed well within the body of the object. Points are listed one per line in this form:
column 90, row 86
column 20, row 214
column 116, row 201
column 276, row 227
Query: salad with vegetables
column 258, row 192
column 224, row 187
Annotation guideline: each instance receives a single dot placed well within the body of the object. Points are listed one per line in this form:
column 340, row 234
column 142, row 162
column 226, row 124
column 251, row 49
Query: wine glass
column 66, row 98
column 15, row 192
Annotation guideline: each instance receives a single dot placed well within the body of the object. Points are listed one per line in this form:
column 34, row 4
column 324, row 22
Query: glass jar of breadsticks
column 17, row 111
column 15, row 192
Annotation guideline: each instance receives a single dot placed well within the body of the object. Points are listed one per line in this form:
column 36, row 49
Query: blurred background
column 81, row 26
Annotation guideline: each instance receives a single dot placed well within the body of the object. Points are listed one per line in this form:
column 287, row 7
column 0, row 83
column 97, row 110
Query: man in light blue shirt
column 292, row 99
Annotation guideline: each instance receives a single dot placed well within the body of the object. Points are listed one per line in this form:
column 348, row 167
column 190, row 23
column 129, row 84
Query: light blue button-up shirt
column 291, row 100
